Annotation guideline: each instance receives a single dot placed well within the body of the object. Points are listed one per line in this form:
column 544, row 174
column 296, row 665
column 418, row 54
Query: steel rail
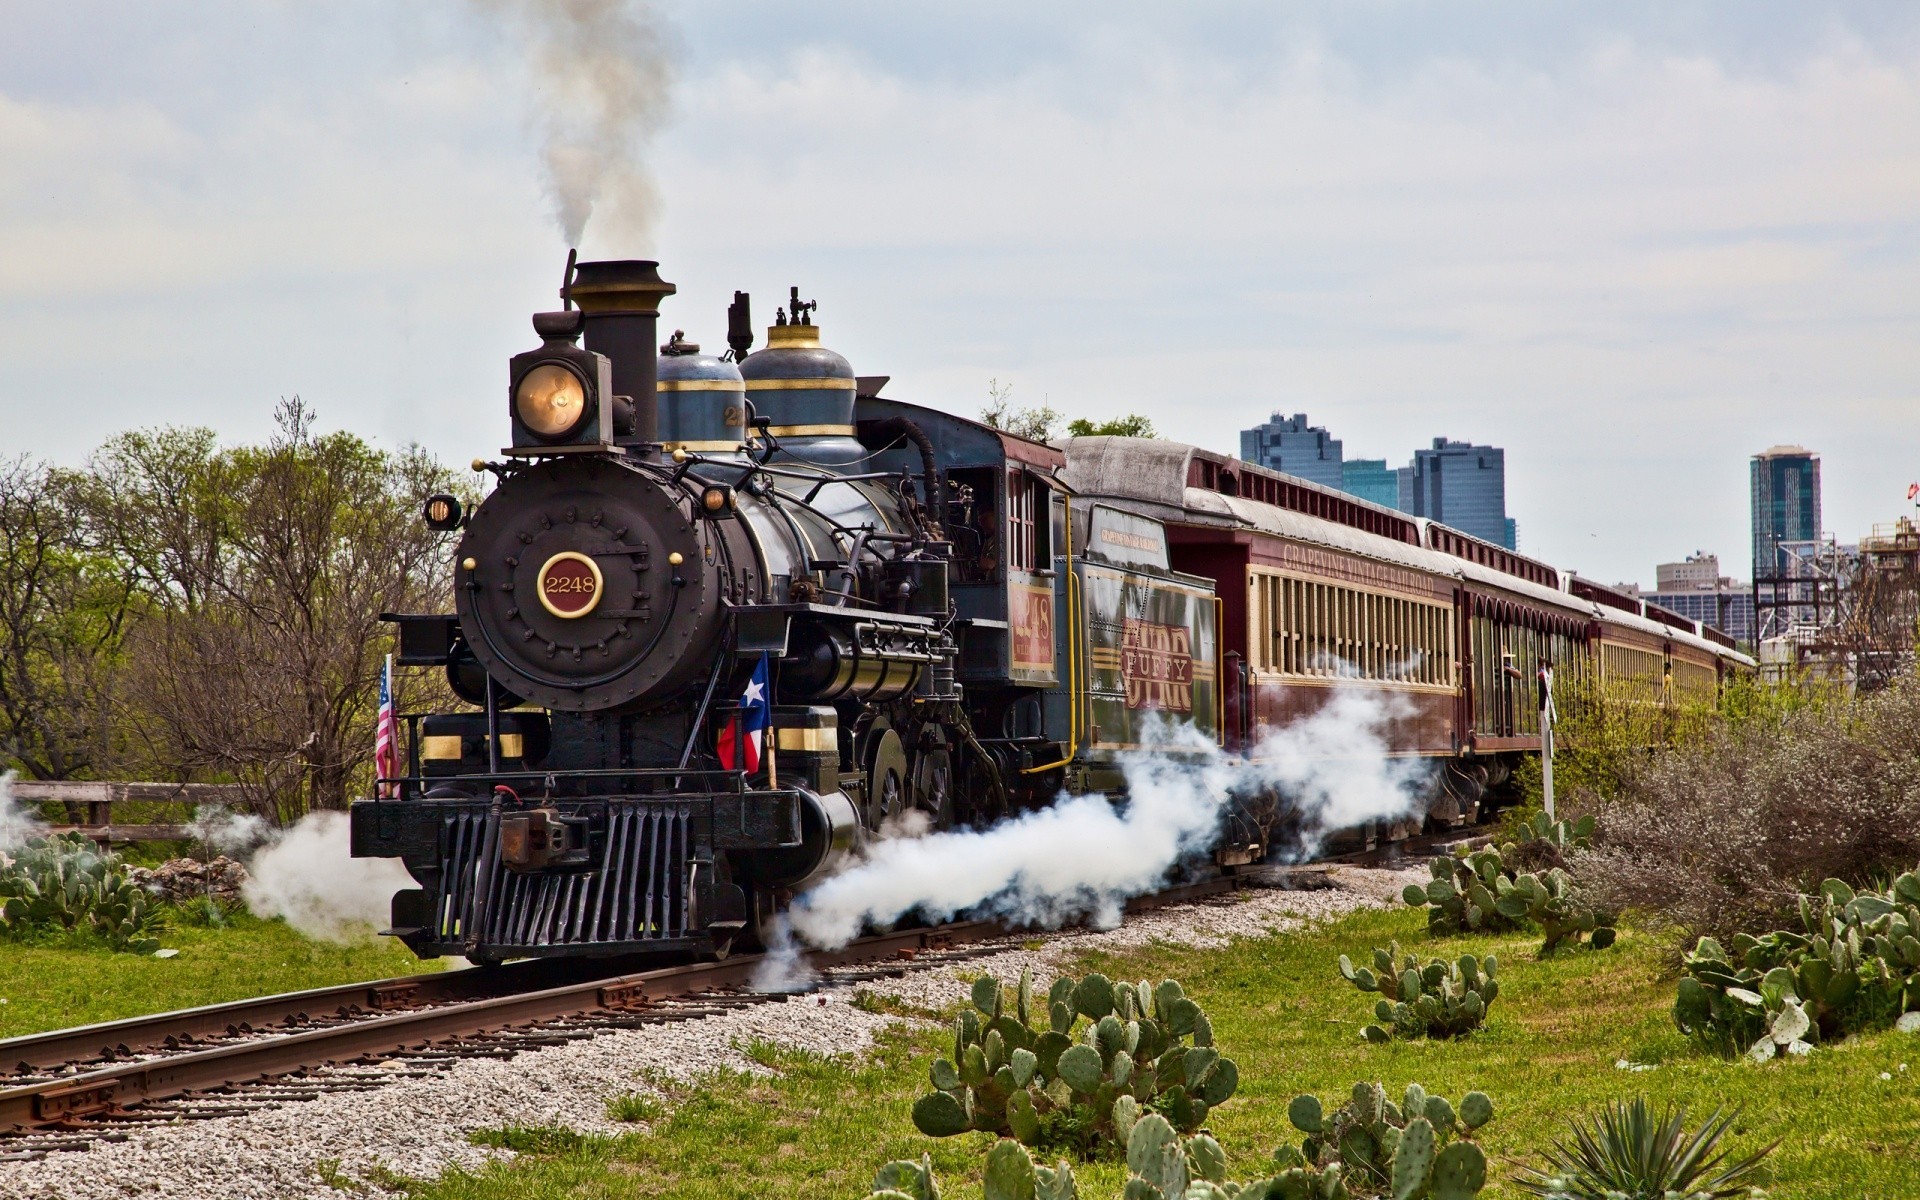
column 37, row 1052
column 73, row 1098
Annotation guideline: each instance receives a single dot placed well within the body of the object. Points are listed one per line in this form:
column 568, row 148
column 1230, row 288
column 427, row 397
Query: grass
column 54, row 985
column 821, row 1127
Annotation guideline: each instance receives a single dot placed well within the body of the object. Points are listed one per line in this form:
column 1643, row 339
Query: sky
column 1631, row 243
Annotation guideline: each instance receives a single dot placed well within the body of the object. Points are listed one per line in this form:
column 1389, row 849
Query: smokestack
column 620, row 303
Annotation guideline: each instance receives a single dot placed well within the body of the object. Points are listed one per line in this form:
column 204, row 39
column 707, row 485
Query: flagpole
column 773, row 731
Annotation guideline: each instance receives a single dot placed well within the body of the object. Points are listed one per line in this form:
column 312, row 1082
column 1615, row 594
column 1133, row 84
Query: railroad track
column 69, row 1089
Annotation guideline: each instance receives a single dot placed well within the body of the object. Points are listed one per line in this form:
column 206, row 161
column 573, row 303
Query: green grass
column 50, row 986
column 820, row 1128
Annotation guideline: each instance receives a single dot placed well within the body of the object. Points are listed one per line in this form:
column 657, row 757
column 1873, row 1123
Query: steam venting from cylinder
column 602, row 74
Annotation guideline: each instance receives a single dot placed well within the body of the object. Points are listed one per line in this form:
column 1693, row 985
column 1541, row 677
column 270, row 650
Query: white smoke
column 1085, row 856
column 226, row 832
column 307, row 876
column 784, row 967
column 18, row 825
column 601, row 75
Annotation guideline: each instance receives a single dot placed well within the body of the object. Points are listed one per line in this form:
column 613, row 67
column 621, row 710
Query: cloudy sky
column 1633, row 244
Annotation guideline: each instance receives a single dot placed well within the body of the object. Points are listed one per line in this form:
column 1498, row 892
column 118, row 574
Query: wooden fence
column 98, row 799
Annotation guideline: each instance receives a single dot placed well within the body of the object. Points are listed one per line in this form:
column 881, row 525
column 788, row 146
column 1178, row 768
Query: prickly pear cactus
column 1543, row 842
column 1163, row 1165
column 1421, row 1147
column 1853, row 964
column 1460, row 896
column 1434, row 999
column 65, row 882
column 1552, row 900
column 1489, row 891
column 1109, row 1054
column 1011, row 1175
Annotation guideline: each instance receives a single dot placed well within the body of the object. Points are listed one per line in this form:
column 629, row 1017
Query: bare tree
column 1034, row 424
column 267, row 569
column 63, row 610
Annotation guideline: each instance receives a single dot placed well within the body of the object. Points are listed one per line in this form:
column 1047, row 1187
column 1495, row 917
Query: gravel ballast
column 419, row 1126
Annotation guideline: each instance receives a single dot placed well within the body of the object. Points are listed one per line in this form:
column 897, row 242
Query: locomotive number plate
column 570, row 584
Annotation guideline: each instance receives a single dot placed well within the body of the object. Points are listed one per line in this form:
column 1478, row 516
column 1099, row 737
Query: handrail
column 1219, row 671
column 1073, row 656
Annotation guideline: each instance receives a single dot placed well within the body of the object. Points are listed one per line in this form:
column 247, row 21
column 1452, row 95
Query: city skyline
column 1473, row 491
column 1784, row 505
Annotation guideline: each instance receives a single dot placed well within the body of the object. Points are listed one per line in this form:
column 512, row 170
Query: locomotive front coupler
column 540, row 839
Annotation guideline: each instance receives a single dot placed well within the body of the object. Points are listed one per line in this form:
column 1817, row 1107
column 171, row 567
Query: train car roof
column 957, row 440
column 1154, row 471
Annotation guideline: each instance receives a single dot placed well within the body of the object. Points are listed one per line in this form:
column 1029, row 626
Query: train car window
column 1300, row 627
column 975, row 524
column 1024, row 523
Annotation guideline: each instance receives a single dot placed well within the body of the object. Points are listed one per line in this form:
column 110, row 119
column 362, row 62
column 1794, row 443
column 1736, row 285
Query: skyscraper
column 1293, row 446
column 1462, row 485
column 1786, row 505
column 1371, row 479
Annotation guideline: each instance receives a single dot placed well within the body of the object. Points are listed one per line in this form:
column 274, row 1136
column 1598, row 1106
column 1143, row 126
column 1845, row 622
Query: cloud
column 1633, row 247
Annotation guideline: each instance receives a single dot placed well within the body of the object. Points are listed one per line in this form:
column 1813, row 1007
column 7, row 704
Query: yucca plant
column 1626, row 1153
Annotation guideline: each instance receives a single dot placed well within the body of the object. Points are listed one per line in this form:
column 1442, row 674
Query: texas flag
column 741, row 740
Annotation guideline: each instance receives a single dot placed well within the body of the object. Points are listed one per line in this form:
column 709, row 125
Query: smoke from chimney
column 601, row 72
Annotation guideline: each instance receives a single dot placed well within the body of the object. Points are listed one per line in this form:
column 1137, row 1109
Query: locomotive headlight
column 717, row 501
column 550, row 401
column 442, row 512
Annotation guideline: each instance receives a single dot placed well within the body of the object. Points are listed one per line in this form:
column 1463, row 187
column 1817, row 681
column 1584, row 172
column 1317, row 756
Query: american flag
column 386, row 740
column 741, row 738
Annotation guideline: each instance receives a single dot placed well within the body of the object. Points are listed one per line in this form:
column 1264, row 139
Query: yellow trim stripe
column 703, row 446
column 700, row 385
column 800, row 385
column 810, row 741
column 444, row 747
column 780, row 431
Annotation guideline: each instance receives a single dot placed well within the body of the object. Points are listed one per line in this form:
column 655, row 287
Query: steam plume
column 601, row 75
column 1084, row 857
column 227, row 832
column 17, row 825
column 307, row 876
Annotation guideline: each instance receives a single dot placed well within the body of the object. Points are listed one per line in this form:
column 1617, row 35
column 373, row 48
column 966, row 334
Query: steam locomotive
column 954, row 621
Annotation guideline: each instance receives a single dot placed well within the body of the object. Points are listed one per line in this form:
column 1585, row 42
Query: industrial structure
column 1851, row 614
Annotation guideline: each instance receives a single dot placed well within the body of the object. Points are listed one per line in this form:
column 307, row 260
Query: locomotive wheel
column 933, row 786
column 761, row 911
column 886, row 780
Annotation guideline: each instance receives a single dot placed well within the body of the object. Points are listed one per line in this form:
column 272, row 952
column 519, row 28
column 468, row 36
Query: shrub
column 1721, row 835
column 1853, row 964
column 1626, row 1152
column 63, row 882
column 206, row 912
column 1085, row 1089
column 1440, row 999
